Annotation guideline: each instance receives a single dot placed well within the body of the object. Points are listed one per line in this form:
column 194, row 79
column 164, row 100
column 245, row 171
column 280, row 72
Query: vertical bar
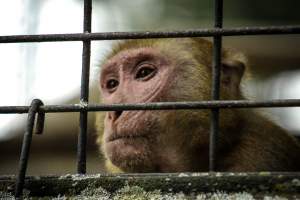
column 84, row 93
column 27, row 138
column 215, row 92
column 24, row 154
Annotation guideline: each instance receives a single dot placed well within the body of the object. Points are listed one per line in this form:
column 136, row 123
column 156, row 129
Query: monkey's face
column 134, row 76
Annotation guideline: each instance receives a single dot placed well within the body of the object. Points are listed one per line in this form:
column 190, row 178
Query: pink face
column 134, row 76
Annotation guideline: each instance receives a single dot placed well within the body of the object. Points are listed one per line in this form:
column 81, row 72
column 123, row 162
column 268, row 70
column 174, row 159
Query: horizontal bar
column 155, row 106
column 239, row 31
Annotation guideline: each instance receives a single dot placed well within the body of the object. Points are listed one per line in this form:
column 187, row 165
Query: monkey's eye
column 112, row 84
column 145, row 73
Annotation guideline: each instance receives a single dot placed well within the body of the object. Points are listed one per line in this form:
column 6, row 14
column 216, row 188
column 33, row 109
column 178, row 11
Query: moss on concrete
column 158, row 186
column 138, row 193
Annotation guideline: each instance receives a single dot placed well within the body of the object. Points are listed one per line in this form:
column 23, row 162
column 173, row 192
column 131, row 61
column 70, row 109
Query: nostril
column 114, row 115
column 118, row 114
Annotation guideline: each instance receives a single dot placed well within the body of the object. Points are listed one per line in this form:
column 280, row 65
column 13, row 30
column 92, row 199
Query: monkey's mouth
column 125, row 137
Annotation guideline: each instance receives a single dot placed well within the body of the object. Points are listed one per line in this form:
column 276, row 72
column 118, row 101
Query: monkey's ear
column 232, row 73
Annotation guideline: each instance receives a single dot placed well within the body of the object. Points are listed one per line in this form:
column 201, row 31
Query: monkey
column 175, row 70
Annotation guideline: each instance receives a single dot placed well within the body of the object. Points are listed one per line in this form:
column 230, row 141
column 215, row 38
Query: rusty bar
column 215, row 88
column 224, row 104
column 34, row 108
column 236, row 31
column 84, row 93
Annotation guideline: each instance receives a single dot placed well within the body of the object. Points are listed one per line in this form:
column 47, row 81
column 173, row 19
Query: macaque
column 175, row 70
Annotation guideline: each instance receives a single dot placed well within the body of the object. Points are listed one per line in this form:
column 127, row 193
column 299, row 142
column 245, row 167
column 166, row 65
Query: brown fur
column 178, row 140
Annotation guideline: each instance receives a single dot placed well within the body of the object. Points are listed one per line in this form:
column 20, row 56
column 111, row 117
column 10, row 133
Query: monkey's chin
column 130, row 154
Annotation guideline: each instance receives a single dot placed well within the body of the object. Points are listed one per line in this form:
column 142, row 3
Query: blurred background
column 51, row 71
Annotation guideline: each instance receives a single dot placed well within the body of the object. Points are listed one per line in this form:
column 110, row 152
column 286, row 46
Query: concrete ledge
column 257, row 184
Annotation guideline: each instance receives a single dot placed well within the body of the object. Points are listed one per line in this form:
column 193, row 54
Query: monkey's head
column 160, row 70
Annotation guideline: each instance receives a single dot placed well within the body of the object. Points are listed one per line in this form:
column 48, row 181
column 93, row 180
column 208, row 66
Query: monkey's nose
column 114, row 115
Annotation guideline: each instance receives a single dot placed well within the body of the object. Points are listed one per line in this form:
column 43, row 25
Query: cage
column 146, row 185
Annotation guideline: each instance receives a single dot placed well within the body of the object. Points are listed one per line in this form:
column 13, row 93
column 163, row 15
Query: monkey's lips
column 115, row 137
column 129, row 153
column 133, row 125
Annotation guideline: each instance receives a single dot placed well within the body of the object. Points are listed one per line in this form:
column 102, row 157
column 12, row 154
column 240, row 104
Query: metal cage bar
column 34, row 108
column 238, row 31
column 215, row 87
column 84, row 93
column 224, row 104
